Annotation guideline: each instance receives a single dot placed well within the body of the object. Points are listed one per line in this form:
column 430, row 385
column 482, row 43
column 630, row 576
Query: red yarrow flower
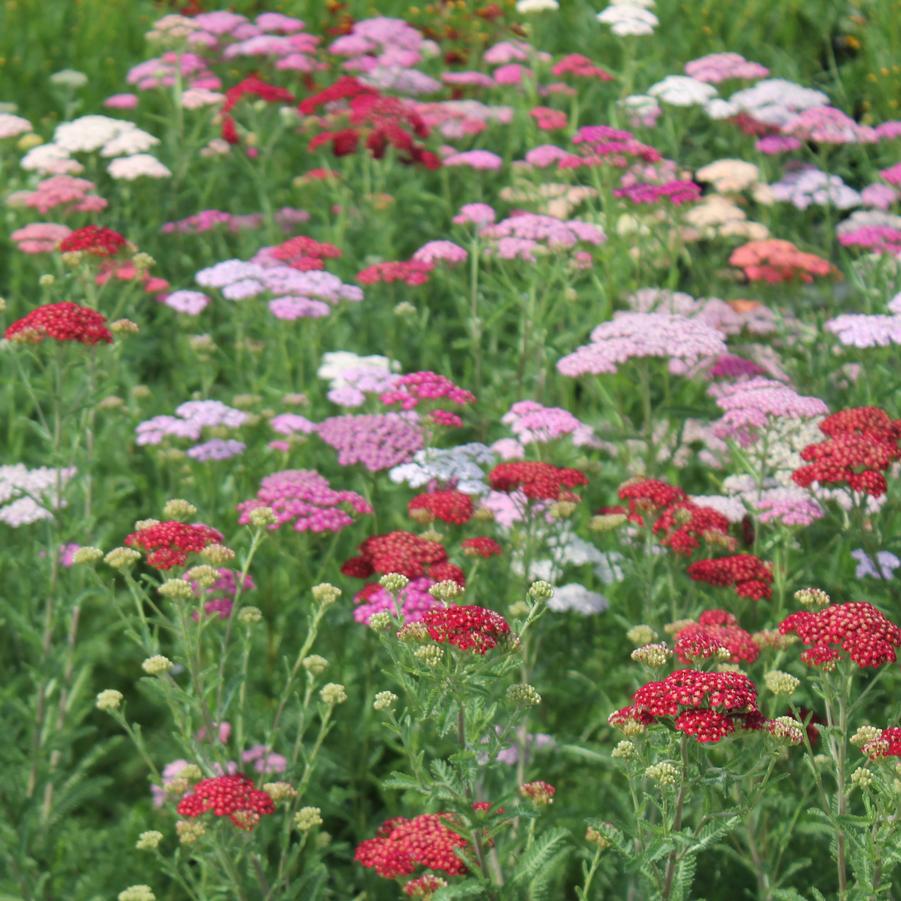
column 256, row 87
column 862, row 444
column 648, row 495
column 715, row 629
column 233, row 796
column 538, row 481
column 404, row 553
column 682, row 524
column 94, row 240
column 706, row 706
column 449, row 506
column 857, row 628
column 170, row 543
column 402, row 845
column 469, row 628
column 64, row 321
column 410, row 272
column 481, row 546
column 748, row 575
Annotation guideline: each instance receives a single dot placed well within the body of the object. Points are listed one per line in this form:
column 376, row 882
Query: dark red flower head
column 862, row 444
column 481, row 546
column 748, row 575
column 231, row 796
column 64, row 321
column 94, row 240
column 857, row 628
column 169, row 543
column 538, row 481
column 449, row 506
column 648, row 495
column 715, row 629
column 468, row 628
column 703, row 705
column 398, row 552
column 402, row 845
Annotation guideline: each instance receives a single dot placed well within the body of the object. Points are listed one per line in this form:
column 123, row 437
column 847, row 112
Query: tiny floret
column 325, row 594
column 109, row 700
column 780, row 683
column 157, row 665
column 308, row 818
column 664, row 773
column 137, row 893
column 149, row 841
column 87, row 556
column 524, row 694
column 333, row 693
column 314, row 664
column 177, row 508
column 249, row 616
column 384, row 700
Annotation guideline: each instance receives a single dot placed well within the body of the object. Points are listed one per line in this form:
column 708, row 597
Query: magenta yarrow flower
column 305, row 499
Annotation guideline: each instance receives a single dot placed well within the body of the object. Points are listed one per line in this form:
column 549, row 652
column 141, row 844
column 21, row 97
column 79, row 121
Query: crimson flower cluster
column 303, row 253
column 857, row 628
column 170, row 543
column 715, row 629
column 861, row 444
column 468, row 627
column 681, row 525
column 706, row 706
column 375, row 119
column 750, row 576
column 481, row 546
column 402, row 845
column 404, row 553
column 648, row 496
column 450, row 506
column 256, row 87
column 538, row 481
column 64, row 321
column 233, row 796
column 94, row 240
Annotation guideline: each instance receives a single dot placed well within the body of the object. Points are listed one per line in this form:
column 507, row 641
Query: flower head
column 233, row 796
column 469, row 628
column 64, row 321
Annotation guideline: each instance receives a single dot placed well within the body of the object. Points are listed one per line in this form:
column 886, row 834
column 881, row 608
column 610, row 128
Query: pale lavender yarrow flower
column 718, row 67
column 30, row 495
column 776, row 101
column 533, row 423
column 292, row 424
column 377, row 441
column 474, row 159
column 288, row 309
column 811, row 186
column 355, row 384
column 461, row 467
column 441, row 252
column 475, row 213
column 881, row 566
column 189, row 422
column 640, row 335
column 751, row 406
column 827, row 125
column 191, row 303
column 217, row 449
column 304, row 498
column 863, row 331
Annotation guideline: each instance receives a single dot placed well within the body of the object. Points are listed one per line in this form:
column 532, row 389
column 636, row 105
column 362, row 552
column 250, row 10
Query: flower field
column 450, row 451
